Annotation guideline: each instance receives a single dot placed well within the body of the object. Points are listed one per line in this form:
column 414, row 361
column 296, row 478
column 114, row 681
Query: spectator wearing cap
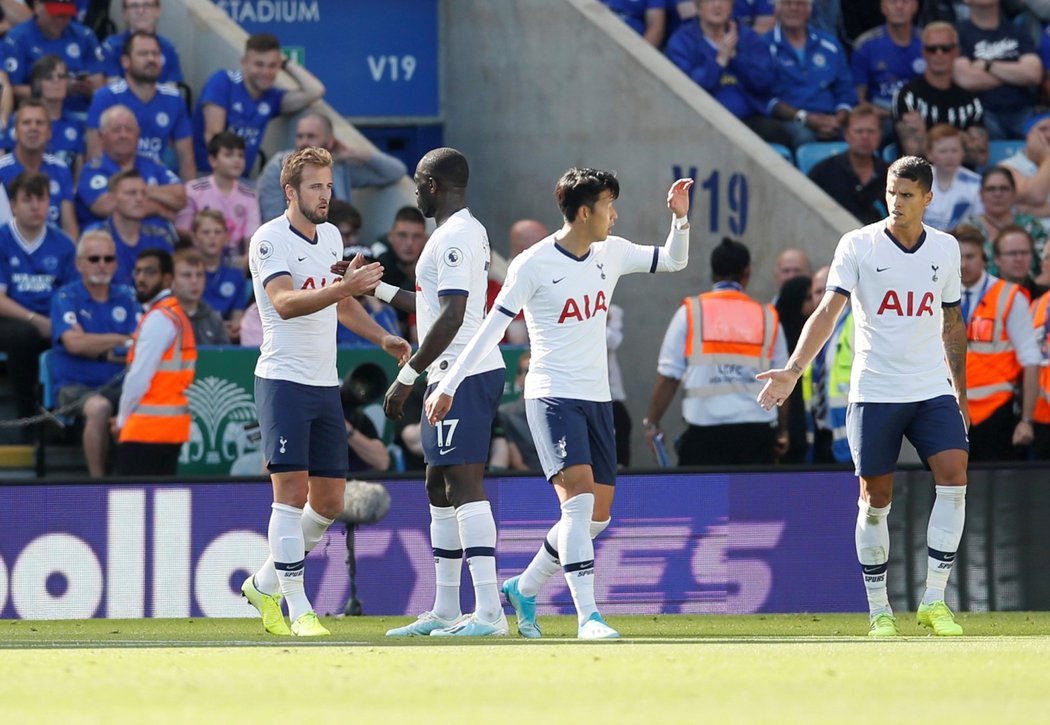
column 53, row 31
column 141, row 16
column 999, row 61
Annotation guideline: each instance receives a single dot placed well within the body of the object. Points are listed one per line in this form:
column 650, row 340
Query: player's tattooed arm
column 953, row 333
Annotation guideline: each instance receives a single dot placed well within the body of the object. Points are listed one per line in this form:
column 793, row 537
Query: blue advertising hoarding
column 377, row 58
column 679, row 543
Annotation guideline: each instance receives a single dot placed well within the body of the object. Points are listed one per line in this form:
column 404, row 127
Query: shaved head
column 524, row 233
column 447, row 166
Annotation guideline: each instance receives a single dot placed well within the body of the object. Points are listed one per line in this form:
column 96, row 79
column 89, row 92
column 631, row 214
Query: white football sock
column 942, row 539
column 477, row 532
column 285, row 535
column 546, row 563
column 314, row 525
column 873, row 553
column 577, row 552
column 448, row 560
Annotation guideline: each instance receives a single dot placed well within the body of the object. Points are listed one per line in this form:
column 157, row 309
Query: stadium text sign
column 678, row 544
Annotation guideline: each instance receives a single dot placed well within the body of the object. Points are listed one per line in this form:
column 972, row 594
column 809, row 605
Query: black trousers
column 23, row 344
column 992, row 439
column 147, row 459
column 737, row 444
column 622, row 430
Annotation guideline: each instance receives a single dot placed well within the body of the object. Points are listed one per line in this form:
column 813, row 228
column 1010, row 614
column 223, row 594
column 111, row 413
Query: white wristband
column 385, row 291
column 680, row 223
column 407, row 376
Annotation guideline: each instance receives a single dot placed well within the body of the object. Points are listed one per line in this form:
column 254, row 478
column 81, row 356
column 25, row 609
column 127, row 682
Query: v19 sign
column 724, row 197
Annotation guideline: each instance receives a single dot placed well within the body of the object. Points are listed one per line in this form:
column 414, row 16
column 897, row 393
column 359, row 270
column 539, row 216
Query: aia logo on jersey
column 892, row 304
column 309, row 283
column 573, row 310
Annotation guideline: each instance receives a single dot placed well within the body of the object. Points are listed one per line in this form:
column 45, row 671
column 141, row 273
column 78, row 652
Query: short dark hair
column 42, row 68
column 262, row 43
column 226, row 139
column 340, row 211
column 31, row 103
column 582, row 187
column 448, row 167
column 187, row 255
column 129, row 44
column 913, row 168
column 162, row 256
column 33, row 183
column 409, row 214
column 1001, row 171
column 729, row 260
column 1012, row 229
column 123, row 175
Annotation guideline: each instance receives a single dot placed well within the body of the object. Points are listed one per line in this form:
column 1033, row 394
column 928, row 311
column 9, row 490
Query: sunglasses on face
column 96, row 258
column 945, row 48
column 1001, row 189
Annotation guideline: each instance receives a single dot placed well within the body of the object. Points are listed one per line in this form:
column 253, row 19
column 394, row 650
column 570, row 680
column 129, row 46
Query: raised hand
column 678, row 197
column 360, row 278
column 397, row 347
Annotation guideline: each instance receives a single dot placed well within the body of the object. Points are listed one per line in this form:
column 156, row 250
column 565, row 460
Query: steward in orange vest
column 154, row 417
column 714, row 346
column 1041, row 415
column 1000, row 347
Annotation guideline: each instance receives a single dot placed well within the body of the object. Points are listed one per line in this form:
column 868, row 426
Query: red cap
column 61, row 8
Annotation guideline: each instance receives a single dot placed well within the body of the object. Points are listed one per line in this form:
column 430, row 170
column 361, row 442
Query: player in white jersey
column 296, row 383
column 449, row 302
column 903, row 279
column 565, row 284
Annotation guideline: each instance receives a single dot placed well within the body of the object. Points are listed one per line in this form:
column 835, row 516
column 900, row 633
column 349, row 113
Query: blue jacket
column 820, row 83
column 743, row 86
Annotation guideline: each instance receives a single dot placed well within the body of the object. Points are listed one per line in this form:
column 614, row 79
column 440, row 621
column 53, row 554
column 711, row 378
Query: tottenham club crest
column 934, row 267
column 453, row 257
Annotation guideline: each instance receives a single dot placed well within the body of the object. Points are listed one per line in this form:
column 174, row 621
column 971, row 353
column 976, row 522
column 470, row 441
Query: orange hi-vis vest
column 163, row 414
column 726, row 327
column 1042, row 326
column 992, row 368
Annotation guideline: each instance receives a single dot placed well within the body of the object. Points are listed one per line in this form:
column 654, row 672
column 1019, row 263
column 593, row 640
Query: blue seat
column 809, row 155
column 48, row 392
column 998, row 151
column 783, row 151
column 891, row 153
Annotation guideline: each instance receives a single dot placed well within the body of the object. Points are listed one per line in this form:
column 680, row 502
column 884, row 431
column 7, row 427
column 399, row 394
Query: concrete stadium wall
column 208, row 40
column 534, row 86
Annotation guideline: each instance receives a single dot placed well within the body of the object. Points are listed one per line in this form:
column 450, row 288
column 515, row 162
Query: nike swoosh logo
column 446, row 452
column 881, row 269
column 301, row 258
column 556, row 281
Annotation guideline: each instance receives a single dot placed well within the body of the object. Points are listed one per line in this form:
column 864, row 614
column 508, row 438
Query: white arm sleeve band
column 486, row 338
column 675, row 255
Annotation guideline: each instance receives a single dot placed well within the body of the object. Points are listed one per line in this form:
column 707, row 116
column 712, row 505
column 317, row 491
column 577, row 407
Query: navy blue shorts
column 465, row 433
column 568, row 432
column 302, row 428
column 875, row 431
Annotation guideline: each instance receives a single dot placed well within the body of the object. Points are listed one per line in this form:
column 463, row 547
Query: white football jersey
column 566, row 302
column 301, row 349
column 897, row 295
column 960, row 200
column 455, row 261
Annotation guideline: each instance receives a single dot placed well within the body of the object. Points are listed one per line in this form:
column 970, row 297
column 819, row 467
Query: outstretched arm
column 817, row 330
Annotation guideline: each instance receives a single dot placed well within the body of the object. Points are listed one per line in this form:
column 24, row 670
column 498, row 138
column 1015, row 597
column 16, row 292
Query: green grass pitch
column 780, row 669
